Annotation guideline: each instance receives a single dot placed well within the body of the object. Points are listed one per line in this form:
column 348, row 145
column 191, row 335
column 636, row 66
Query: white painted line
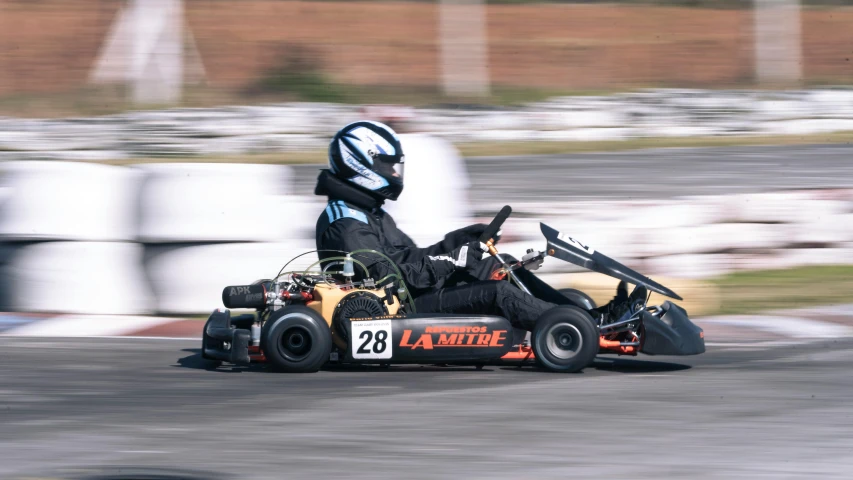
column 86, row 326
column 134, row 337
column 833, row 310
column 787, row 326
column 111, row 337
column 767, row 344
column 155, row 452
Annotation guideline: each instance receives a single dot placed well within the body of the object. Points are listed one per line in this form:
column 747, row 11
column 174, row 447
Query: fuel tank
column 427, row 339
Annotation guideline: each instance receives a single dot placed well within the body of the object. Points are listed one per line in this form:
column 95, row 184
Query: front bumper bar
column 672, row 333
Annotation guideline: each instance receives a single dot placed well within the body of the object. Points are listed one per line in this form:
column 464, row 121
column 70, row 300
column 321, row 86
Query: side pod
column 672, row 333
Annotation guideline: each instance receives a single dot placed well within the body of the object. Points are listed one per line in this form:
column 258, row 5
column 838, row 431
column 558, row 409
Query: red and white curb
column 831, row 322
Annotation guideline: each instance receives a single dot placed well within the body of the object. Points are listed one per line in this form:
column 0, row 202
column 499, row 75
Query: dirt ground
column 50, row 45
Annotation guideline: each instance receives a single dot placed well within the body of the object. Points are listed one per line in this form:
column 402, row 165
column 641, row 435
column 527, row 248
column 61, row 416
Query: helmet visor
column 389, row 170
column 400, row 170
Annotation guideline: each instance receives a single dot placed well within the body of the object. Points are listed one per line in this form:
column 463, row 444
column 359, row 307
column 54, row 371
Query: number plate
column 371, row 339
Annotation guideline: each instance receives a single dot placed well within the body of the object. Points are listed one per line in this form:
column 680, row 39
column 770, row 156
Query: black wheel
column 296, row 339
column 565, row 339
column 578, row 298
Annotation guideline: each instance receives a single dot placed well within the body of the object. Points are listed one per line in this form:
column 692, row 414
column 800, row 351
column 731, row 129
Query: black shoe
column 639, row 295
column 623, row 303
column 615, row 308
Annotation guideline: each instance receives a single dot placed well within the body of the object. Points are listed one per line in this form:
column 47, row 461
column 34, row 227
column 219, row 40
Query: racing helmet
column 365, row 154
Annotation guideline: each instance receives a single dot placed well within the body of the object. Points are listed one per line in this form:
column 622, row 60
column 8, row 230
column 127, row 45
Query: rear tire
column 565, row 339
column 296, row 339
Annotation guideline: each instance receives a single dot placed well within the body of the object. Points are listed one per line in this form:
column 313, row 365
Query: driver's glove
column 468, row 256
column 469, row 233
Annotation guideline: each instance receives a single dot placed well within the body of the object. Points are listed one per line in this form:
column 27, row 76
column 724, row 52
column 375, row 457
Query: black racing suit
column 354, row 220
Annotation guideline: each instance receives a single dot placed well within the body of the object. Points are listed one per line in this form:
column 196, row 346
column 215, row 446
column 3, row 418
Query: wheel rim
column 563, row 341
column 295, row 343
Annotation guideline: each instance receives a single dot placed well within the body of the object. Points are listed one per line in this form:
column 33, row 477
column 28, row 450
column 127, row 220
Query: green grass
column 749, row 292
column 518, row 148
column 545, row 148
column 283, row 158
column 275, row 87
column 278, row 86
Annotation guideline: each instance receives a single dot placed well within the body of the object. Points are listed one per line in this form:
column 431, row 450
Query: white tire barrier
column 703, row 236
column 780, row 207
column 689, row 266
column 671, row 215
column 77, row 277
column 817, row 256
column 435, row 199
column 304, row 126
column 220, row 203
column 715, row 238
column 823, row 230
column 68, row 201
column 190, row 279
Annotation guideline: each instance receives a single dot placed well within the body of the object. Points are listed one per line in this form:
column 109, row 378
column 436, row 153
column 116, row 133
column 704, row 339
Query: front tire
column 578, row 298
column 297, row 340
column 565, row 339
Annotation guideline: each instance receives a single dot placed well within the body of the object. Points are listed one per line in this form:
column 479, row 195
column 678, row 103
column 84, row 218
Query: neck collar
column 337, row 189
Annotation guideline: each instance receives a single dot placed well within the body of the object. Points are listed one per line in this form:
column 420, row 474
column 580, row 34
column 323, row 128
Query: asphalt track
column 85, row 407
column 650, row 173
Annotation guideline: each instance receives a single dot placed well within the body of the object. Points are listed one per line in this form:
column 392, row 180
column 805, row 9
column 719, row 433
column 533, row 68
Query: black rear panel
column 428, row 339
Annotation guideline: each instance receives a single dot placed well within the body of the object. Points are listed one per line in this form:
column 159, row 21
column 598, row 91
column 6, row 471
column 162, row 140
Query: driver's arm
column 419, row 271
column 456, row 239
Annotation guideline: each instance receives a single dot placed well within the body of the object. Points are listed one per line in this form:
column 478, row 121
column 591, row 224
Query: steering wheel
column 488, row 236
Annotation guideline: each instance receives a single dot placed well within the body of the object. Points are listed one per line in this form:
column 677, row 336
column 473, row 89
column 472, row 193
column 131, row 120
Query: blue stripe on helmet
column 355, row 146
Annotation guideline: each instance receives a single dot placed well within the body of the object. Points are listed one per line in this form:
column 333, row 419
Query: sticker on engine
column 371, row 339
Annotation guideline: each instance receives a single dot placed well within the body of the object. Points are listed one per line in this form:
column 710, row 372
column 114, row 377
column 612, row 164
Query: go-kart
column 320, row 315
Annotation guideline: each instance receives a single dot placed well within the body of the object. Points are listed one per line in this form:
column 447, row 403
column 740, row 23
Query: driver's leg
column 486, row 298
column 539, row 289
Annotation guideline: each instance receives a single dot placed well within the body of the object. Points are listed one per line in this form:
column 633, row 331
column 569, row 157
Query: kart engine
column 356, row 305
column 360, row 305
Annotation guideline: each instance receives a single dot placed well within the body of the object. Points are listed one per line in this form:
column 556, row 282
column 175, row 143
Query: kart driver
column 451, row 276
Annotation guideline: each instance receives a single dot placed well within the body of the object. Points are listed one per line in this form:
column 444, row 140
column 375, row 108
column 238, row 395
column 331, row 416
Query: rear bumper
column 224, row 342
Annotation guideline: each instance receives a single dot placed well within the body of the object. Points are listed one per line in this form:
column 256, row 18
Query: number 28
column 379, row 344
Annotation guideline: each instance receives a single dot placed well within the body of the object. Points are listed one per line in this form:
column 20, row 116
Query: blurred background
column 154, row 151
